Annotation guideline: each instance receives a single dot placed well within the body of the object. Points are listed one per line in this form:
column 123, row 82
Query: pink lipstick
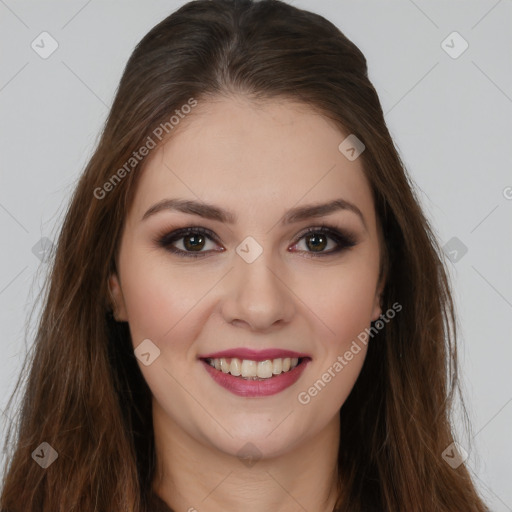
column 278, row 369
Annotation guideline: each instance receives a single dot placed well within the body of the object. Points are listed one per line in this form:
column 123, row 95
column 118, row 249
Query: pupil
column 197, row 243
column 317, row 244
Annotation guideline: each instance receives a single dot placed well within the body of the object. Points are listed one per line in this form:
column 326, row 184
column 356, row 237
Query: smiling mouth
column 255, row 370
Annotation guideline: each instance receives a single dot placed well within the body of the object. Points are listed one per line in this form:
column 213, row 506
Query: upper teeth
column 256, row 369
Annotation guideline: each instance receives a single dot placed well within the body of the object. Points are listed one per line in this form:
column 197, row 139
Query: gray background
column 451, row 119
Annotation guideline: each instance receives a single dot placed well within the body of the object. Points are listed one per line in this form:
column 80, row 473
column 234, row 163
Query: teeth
column 236, row 367
column 249, row 368
column 264, row 370
column 254, row 370
column 224, row 366
column 277, row 366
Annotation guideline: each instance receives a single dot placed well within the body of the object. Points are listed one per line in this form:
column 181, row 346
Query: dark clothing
column 156, row 504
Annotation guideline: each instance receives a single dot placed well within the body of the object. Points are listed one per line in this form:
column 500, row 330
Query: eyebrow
column 213, row 212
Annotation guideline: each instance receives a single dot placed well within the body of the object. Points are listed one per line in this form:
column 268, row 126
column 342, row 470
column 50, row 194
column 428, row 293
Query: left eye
column 314, row 241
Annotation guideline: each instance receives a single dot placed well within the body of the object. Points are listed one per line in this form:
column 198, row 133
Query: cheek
column 160, row 299
column 345, row 307
column 344, row 299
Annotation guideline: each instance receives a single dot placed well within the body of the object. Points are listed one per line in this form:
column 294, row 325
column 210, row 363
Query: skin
column 257, row 160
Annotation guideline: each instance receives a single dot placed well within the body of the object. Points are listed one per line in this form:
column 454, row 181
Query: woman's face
column 253, row 278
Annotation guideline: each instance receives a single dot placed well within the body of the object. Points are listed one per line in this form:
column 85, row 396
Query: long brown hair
column 84, row 393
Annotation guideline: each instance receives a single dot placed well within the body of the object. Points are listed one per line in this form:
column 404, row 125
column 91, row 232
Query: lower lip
column 254, row 388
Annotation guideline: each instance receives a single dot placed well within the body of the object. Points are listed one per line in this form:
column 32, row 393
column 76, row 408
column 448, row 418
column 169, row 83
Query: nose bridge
column 257, row 294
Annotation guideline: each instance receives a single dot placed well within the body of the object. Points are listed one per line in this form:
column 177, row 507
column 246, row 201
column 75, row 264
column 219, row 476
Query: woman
column 247, row 309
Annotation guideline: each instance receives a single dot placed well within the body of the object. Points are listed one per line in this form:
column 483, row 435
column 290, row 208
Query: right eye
column 192, row 240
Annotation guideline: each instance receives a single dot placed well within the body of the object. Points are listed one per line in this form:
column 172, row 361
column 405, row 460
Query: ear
column 117, row 298
column 377, row 303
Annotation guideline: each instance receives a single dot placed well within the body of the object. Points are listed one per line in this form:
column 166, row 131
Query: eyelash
column 344, row 239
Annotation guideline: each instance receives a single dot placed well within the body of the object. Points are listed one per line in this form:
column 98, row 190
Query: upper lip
column 254, row 355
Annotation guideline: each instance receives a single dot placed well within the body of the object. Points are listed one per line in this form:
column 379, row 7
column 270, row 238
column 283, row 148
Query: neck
column 192, row 476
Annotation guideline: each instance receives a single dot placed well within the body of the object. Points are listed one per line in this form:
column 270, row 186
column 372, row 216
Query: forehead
column 253, row 158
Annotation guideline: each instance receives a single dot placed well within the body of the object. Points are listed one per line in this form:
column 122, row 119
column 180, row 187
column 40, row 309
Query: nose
column 257, row 296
